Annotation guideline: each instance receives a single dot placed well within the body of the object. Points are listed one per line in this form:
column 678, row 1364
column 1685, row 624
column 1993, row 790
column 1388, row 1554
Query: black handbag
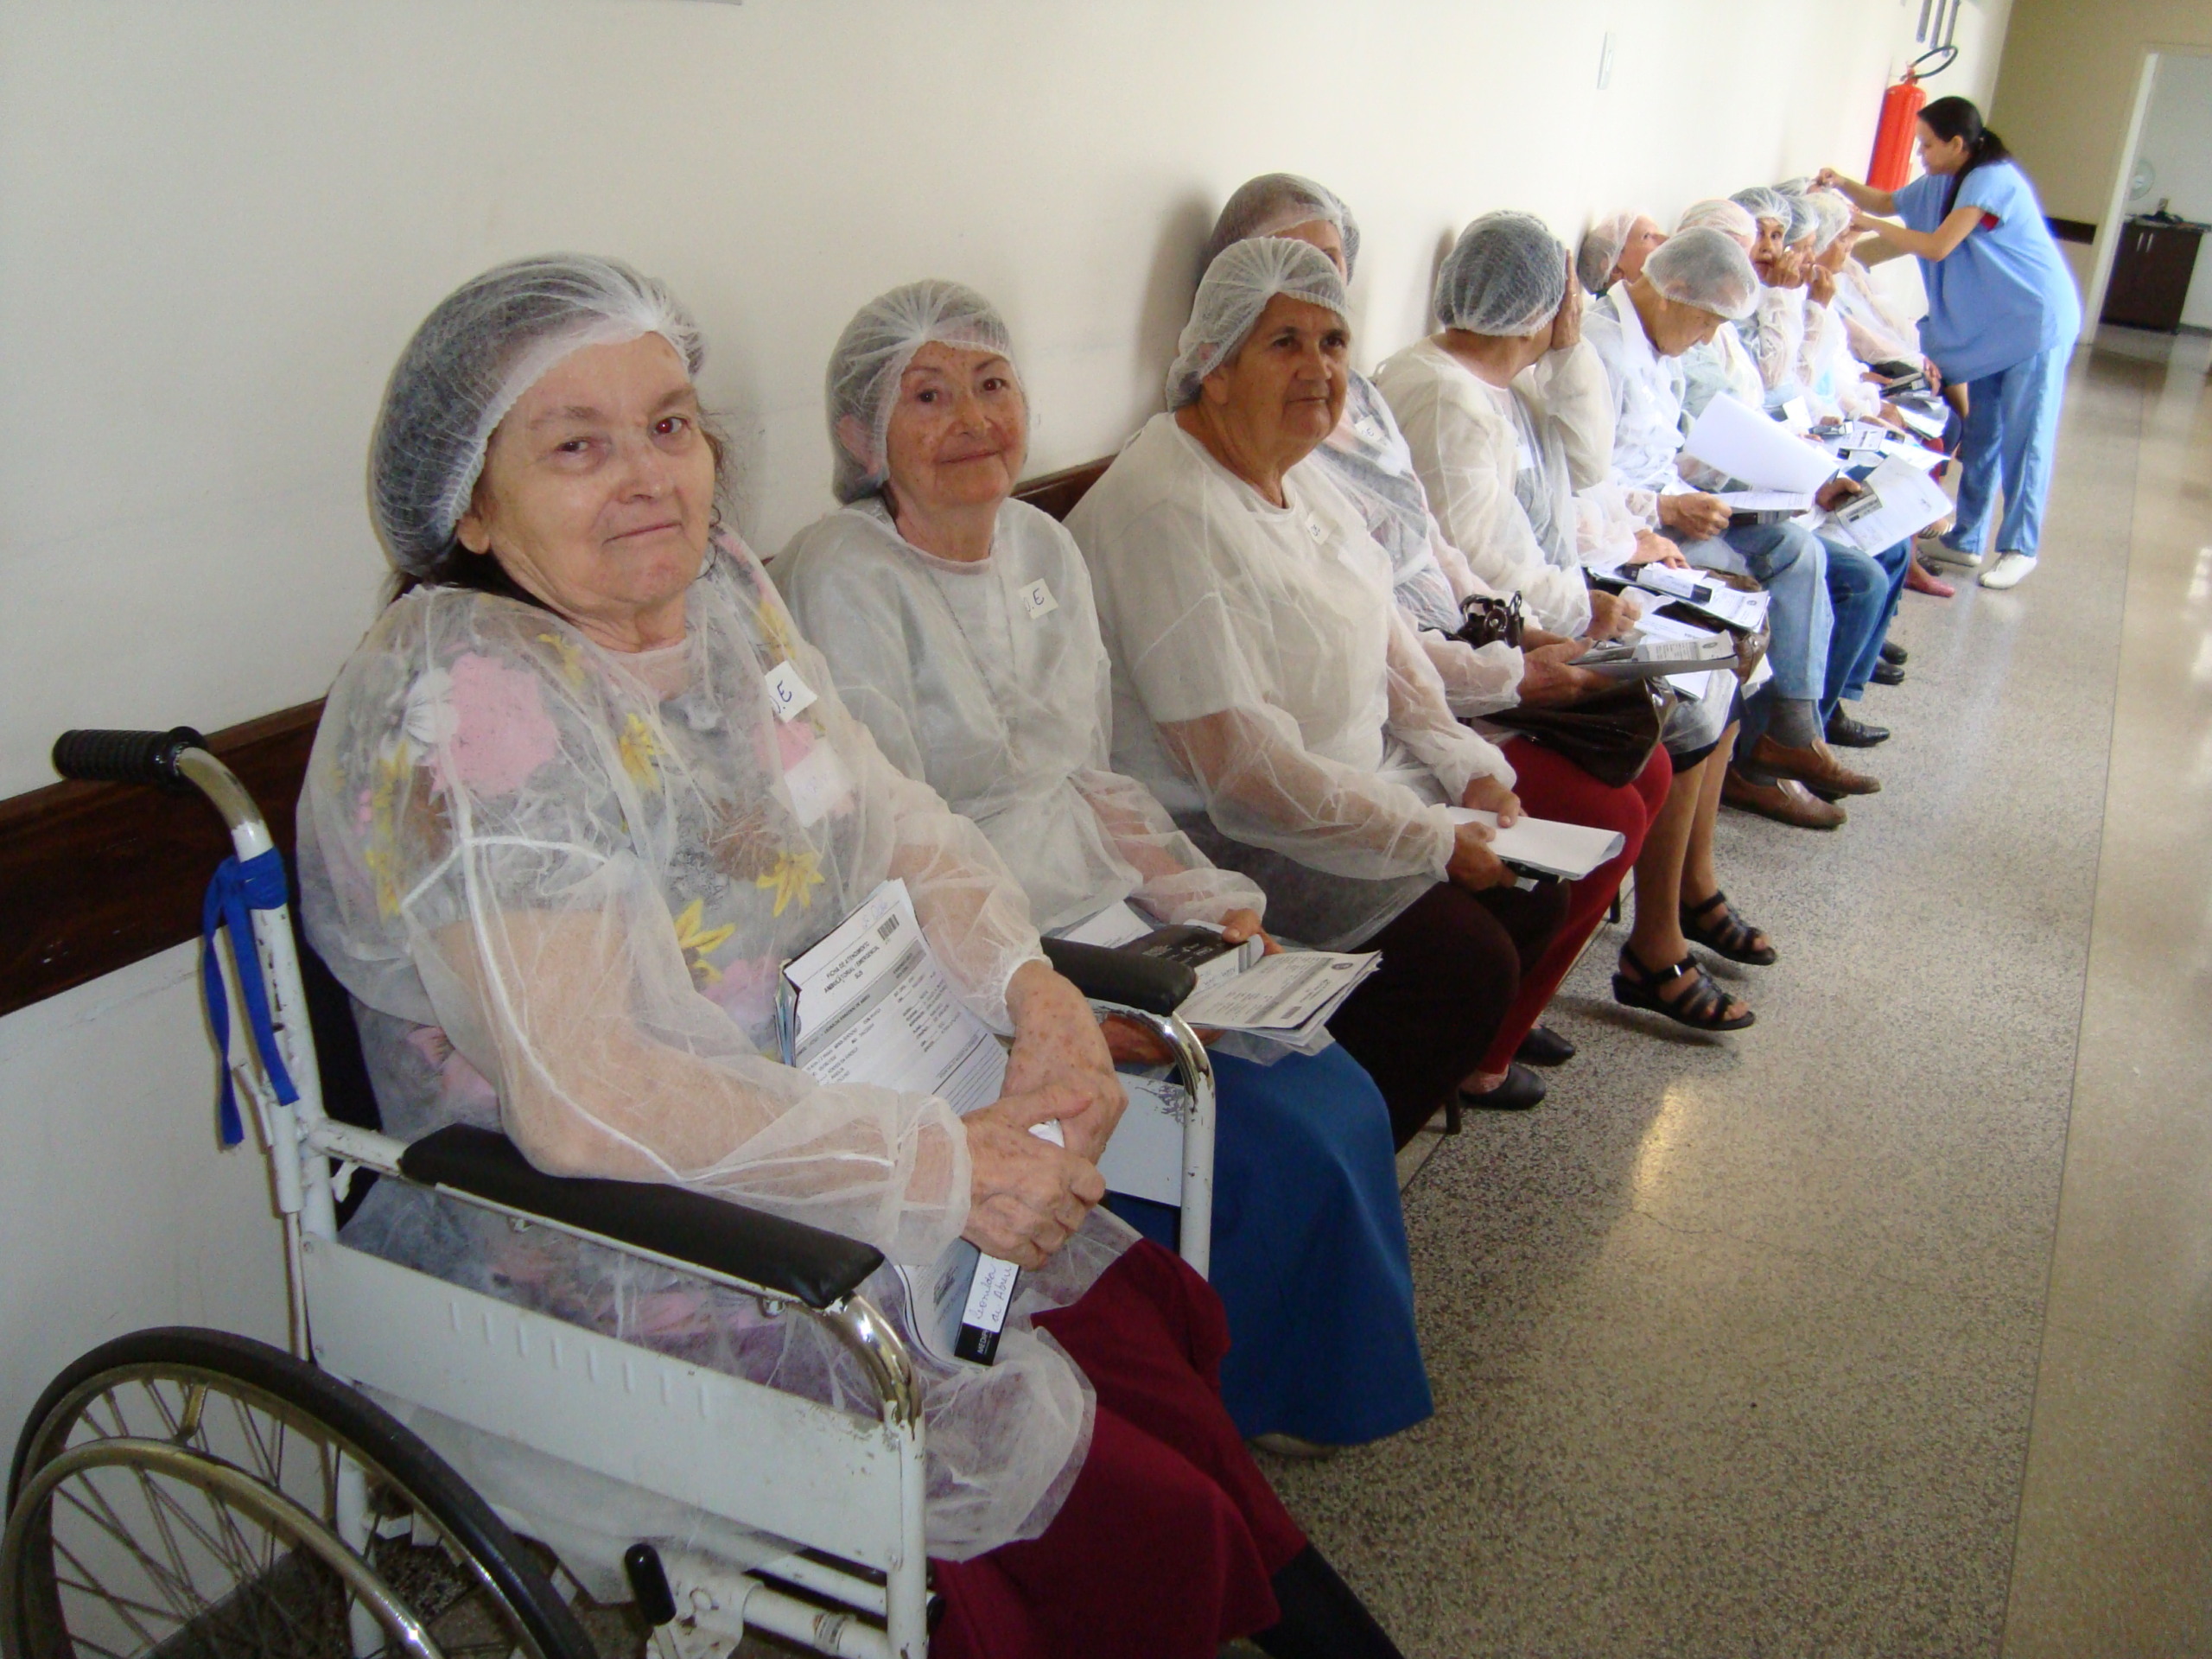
column 1610, row 735
column 1487, row 621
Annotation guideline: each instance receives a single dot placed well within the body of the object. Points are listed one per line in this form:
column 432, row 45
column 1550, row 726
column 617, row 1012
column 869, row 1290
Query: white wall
column 222, row 219
column 2177, row 141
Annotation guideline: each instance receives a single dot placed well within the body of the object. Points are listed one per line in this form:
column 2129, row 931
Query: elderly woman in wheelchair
column 577, row 799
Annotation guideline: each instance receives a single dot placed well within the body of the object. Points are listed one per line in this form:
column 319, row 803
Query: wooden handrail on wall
column 94, row 877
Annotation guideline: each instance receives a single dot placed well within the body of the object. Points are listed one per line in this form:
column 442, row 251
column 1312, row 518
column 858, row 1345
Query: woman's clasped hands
column 1028, row 1197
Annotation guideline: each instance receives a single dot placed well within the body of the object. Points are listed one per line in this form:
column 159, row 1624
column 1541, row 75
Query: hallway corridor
column 1885, row 1327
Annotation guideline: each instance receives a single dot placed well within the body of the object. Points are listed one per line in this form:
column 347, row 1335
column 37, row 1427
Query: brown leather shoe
column 1813, row 764
column 1784, row 802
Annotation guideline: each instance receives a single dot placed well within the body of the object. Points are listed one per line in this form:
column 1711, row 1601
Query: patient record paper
column 870, row 1004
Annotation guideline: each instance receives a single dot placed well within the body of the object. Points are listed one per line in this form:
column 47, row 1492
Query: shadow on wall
column 1165, row 306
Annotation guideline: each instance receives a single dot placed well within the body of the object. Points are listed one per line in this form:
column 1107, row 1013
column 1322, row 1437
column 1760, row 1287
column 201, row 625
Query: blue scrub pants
column 2011, row 431
column 1309, row 1252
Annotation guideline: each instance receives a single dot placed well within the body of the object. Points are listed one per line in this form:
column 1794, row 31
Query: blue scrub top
column 2005, row 293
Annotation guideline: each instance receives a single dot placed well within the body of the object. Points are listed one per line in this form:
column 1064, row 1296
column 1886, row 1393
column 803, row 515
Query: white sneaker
column 2010, row 570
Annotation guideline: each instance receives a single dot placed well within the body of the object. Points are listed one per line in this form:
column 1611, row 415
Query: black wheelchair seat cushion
column 803, row 1263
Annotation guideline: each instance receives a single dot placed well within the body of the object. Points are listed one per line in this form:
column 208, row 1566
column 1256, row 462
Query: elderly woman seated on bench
column 1268, row 690
column 960, row 627
column 579, row 794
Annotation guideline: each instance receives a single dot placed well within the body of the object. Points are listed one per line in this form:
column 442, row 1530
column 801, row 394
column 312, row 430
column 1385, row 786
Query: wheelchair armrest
column 1106, row 975
column 803, row 1263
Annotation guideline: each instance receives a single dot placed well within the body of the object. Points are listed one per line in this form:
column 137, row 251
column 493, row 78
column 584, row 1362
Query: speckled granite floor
column 1735, row 1341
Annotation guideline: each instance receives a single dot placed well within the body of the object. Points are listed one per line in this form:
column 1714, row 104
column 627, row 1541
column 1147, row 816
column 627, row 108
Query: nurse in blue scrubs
column 2002, row 319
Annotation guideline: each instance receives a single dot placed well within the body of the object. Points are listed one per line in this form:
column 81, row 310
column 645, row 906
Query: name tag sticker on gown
column 789, row 695
column 819, row 782
column 1314, row 529
column 1037, row 599
column 1370, row 430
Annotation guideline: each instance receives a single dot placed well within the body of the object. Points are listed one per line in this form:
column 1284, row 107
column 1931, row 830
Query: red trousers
column 1552, row 786
column 1166, row 1544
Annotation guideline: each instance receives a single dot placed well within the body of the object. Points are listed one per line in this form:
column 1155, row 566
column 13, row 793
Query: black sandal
column 1700, row 1008
column 1731, row 936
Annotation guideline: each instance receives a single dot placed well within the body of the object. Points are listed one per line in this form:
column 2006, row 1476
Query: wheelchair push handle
column 126, row 757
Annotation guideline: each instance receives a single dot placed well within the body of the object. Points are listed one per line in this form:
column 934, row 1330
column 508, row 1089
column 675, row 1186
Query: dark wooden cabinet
column 2150, row 274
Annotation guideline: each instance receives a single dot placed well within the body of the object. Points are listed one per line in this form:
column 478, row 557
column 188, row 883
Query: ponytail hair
column 1957, row 117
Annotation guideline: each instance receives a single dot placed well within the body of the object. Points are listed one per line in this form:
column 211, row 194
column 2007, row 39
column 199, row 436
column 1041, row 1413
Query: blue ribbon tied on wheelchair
column 236, row 891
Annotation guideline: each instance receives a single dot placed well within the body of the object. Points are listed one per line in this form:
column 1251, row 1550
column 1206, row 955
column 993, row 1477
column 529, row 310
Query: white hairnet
column 1601, row 249
column 873, row 351
column 1238, row 284
column 488, row 342
column 1831, row 216
column 1761, row 203
column 1719, row 213
column 1505, row 275
column 1801, row 218
column 1706, row 269
column 1272, row 204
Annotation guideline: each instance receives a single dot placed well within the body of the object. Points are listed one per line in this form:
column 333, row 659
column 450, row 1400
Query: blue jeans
column 1848, row 676
column 2012, row 429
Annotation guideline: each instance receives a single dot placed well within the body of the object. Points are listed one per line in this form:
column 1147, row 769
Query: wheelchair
column 186, row 1492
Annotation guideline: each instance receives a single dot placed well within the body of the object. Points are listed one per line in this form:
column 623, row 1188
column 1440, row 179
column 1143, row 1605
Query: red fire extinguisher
column 1900, row 111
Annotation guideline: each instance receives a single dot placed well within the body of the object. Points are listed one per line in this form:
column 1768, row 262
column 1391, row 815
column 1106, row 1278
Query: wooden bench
column 94, row 877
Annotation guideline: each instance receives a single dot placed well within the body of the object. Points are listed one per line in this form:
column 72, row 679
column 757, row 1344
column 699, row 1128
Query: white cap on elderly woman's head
column 488, row 342
column 870, row 356
column 1761, row 203
column 1719, row 213
column 1506, row 275
column 1832, row 215
column 1232, row 295
column 1275, row 202
column 1707, row 269
column 1601, row 249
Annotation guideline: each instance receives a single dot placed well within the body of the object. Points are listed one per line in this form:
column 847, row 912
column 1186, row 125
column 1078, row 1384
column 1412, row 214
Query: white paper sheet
column 1289, row 992
column 874, row 1007
column 1927, row 422
column 1767, row 501
column 1744, row 444
column 1905, row 501
column 1572, row 851
column 1118, row 924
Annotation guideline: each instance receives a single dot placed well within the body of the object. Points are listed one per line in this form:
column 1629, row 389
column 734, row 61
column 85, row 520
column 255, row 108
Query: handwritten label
column 1314, row 529
column 788, row 695
column 1037, row 599
column 1368, row 429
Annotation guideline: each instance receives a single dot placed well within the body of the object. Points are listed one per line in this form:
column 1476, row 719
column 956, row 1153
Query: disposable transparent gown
column 1647, row 392
column 1830, row 373
column 1467, row 437
column 1775, row 335
column 1877, row 328
column 1366, row 455
column 988, row 679
column 561, row 883
column 1268, row 690
column 1721, row 366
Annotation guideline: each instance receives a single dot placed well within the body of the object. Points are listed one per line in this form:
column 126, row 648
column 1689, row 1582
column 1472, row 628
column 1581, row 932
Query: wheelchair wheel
column 185, row 1492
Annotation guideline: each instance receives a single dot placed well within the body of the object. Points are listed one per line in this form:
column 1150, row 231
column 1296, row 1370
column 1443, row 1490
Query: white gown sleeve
column 1578, row 397
column 1466, row 457
column 1422, row 717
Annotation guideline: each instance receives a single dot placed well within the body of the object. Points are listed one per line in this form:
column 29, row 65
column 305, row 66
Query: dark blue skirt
column 1309, row 1252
